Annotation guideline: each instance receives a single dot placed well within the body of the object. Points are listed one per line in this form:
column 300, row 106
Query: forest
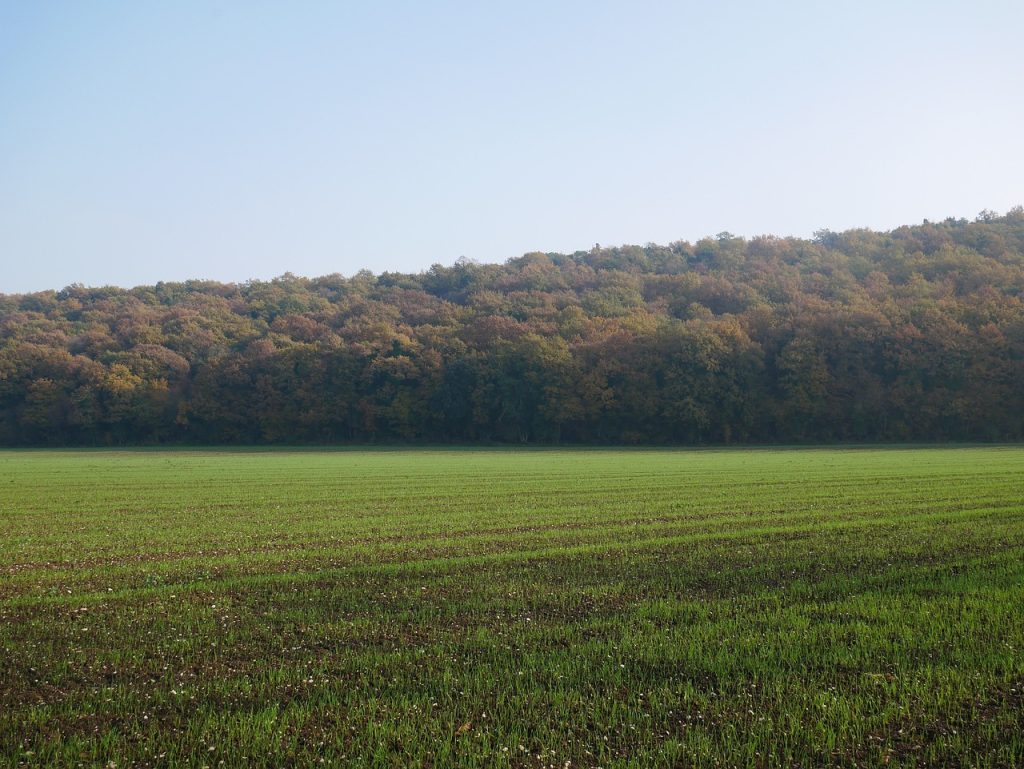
column 916, row 334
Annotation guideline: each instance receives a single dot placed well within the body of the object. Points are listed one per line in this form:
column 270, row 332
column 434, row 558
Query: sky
column 144, row 141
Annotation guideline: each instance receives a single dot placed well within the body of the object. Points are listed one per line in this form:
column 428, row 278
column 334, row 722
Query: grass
column 747, row 608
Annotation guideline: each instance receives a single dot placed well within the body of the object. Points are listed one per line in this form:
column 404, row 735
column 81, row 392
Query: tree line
column 916, row 334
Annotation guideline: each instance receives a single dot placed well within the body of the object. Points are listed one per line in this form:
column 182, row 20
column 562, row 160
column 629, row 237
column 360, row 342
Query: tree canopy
column 911, row 335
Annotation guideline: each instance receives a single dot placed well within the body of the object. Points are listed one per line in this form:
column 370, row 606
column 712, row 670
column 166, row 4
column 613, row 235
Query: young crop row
column 512, row 608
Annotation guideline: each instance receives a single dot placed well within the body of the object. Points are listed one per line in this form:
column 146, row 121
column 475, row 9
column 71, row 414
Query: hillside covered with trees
column 911, row 335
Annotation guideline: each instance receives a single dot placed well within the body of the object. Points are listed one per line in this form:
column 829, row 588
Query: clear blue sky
column 231, row 140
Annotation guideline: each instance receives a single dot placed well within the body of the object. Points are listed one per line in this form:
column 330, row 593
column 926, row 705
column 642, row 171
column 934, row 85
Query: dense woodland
column 911, row 335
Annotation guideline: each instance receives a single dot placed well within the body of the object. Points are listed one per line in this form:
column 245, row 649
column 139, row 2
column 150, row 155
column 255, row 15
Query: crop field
column 512, row 608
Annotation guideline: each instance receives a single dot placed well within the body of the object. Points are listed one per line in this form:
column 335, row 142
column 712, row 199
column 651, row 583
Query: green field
column 748, row 608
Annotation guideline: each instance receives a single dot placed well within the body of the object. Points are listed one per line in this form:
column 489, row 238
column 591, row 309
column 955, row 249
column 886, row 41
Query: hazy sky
column 230, row 140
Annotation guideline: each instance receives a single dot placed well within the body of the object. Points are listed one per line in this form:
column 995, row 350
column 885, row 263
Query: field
column 530, row 608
